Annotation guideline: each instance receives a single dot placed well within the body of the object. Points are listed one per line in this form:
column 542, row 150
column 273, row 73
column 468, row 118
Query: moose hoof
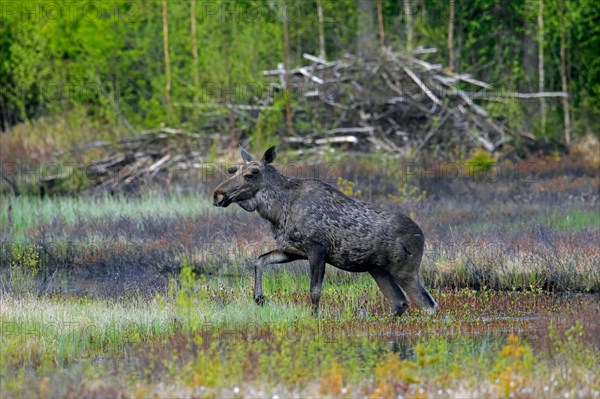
column 260, row 300
column 399, row 310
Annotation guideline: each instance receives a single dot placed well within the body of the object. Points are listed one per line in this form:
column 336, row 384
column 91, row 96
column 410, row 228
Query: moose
column 312, row 220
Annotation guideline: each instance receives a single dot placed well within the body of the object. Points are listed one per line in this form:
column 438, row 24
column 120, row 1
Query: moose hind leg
column 316, row 259
column 391, row 291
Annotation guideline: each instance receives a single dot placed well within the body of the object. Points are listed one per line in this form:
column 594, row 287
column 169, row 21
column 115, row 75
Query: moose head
column 246, row 181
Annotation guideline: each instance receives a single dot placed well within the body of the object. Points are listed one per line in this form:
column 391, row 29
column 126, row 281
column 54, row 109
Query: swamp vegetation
column 152, row 296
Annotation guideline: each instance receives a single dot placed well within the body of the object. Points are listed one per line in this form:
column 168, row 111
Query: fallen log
column 512, row 94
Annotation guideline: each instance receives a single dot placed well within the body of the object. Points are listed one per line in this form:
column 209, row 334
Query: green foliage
column 570, row 347
column 513, row 364
column 408, row 192
column 105, row 63
column 112, row 63
column 187, row 295
column 575, row 220
column 24, row 267
column 513, row 113
column 481, row 162
column 347, row 187
column 270, row 124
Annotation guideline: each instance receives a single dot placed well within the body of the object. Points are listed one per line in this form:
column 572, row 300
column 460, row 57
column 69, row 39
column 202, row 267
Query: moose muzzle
column 220, row 199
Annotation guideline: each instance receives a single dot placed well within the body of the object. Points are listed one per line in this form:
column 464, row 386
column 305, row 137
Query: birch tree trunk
column 451, row 37
column 321, row 30
column 563, row 75
column 196, row 74
column 166, row 52
column 286, row 63
column 541, row 64
column 409, row 26
column 569, row 69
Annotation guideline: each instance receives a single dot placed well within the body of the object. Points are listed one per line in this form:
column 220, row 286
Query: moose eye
column 253, row 172
column 232, row 169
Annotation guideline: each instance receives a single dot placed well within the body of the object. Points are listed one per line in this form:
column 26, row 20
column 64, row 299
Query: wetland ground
column 150, row 296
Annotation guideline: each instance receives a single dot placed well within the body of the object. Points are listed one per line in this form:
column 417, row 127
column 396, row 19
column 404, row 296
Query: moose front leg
column 316, row 258
column 269, row 258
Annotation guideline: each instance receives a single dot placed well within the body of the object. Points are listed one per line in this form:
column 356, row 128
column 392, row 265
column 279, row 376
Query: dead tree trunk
column 380, row 23
column 233, row 129
column 365, row 37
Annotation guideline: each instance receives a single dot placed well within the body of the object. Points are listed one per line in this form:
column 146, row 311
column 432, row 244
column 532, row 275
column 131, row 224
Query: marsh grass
column 575, row 220
column 28, row 212
column 206, row 337
column 145, row 240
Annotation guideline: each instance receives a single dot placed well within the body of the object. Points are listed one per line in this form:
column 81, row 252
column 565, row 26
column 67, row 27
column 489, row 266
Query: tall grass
column 506, row 234
column 28, row 212
column 504, row 246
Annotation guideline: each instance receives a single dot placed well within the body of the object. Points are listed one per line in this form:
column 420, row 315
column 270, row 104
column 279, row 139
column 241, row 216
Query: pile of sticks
column 154, row 156
column 389, row 103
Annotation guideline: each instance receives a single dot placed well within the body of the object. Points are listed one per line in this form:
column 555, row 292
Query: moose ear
column 270, row 155
column 245, row 155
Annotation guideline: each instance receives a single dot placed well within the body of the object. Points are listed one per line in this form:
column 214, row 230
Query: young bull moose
column 312, row 220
